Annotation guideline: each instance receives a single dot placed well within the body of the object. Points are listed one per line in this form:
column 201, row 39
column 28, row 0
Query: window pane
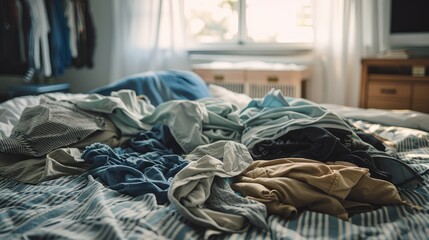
column 212, row 21
column 279, row 21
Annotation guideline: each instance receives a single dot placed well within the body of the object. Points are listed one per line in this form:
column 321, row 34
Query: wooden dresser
column 395, row 84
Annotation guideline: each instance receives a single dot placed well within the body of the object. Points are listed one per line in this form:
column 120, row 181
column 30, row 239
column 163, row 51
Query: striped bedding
column 80, row 207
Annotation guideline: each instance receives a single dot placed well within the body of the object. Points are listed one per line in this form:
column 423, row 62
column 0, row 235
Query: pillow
column 239, row 99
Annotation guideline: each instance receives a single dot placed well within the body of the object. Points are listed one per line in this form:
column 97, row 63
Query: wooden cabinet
column 421, row 97
column 395, row 84
column 256, row 81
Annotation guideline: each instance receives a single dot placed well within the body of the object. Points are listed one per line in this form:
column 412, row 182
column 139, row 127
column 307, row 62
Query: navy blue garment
column 336, row 145
column 310, row 142
column 59, row 40
column 366, row 137
column 161, row 86
column 159, row 137
column 147, row 166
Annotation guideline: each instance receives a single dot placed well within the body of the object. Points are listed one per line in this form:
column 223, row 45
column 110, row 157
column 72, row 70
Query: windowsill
column 299, row 53
column 252, row 49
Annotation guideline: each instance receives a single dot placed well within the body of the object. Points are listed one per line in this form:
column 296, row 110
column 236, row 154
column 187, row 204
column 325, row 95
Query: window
column 249, row 22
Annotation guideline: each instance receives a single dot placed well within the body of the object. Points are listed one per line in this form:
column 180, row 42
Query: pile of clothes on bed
column 220, row 165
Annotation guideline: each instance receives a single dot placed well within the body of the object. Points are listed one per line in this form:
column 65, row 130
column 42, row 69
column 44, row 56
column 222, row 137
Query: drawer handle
column 219, row 77
column 272, row 79
column 390, row 91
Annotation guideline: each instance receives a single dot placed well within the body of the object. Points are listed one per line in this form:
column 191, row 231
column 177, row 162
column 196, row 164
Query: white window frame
column 243, row 47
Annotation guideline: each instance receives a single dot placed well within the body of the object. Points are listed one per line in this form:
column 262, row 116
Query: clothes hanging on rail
column 47, row 36
column 39, row 37
column 14, row 36
column 85, row 35
column 58, row 37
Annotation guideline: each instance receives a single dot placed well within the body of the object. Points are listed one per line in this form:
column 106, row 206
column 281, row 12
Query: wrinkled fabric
column 400, row 118
column 286, row 186
column 324, row 145
column 192, row 123
column 147, row 166
column 223, row 120
column 50, row 125
column 58, row 163
column 131, row 116
column 200, row 194
column 161, row 86
column 274, row 115
column 185, row 120
column 277, row 126
column 123, row 107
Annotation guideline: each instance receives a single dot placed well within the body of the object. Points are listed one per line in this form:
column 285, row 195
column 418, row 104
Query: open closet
column 39, row 40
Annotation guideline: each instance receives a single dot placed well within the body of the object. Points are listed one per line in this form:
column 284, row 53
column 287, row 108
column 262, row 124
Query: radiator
column 259, row 90
column 233, row 86
column 257, row 83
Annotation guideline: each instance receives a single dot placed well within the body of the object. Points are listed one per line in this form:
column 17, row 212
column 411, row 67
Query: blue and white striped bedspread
column 82, row 208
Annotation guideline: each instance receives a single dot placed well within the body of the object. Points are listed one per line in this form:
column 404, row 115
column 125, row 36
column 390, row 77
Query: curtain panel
column 345, row 31
column 147, row 36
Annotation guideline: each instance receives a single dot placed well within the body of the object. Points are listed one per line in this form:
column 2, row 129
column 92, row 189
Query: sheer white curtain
column 147, row 35
column 345, row 32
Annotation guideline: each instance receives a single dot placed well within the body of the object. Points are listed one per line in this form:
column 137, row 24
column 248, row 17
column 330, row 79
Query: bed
column 220, row 166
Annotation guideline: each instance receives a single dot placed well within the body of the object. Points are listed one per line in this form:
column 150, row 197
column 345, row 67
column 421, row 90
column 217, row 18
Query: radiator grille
column 233, row 86
column 259, row 91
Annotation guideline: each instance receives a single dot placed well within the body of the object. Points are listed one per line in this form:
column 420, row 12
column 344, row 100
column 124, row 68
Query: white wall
column 84, row 79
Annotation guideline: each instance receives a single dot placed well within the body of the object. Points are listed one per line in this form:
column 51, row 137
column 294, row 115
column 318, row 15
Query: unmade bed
column 118, row 163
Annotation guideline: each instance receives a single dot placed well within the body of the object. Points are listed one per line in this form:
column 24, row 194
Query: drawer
column 421, row 97
column 388, row 103
column 219, row 75
column 389, row 89
column 421, row 91
column 421, row 106
column 259, row 76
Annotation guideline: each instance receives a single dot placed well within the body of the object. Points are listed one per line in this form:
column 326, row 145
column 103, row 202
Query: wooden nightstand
column 395, row 84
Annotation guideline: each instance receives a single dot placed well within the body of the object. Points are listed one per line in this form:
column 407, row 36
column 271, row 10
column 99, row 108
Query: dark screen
column 409, row 16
